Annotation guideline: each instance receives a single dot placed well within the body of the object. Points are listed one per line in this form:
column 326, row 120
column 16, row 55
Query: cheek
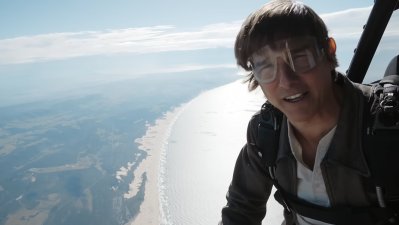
column 268, row 92
column 264, row 90
column 320, row 78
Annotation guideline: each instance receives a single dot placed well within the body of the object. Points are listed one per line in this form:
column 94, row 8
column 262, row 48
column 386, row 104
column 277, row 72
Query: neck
column 312, row 130
column 309, row 134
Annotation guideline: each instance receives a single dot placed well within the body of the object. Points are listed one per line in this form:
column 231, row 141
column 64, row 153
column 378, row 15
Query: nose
column 285, row 74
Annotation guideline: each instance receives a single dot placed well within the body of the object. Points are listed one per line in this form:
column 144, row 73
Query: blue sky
column 20, row 17
column 47, row 30
column 97, row 41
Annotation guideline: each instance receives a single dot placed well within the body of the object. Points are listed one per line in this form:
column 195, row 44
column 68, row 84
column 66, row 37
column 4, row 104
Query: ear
column 332, row 46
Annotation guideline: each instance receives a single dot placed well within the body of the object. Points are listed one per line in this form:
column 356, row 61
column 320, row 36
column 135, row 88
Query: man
column 286, row 49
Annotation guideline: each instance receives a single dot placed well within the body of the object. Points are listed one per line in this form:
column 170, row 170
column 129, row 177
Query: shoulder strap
column 267, row 140
column 268, row 134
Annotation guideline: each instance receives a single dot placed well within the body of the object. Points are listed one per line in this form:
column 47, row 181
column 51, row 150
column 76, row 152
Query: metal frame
column 370, row 38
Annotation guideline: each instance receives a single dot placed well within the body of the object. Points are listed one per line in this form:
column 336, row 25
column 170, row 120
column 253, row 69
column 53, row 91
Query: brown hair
column 286, row 17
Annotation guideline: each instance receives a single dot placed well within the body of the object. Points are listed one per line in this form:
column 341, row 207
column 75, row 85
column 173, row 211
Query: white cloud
column 132, row 40
column 347, row 23
column 343, row 25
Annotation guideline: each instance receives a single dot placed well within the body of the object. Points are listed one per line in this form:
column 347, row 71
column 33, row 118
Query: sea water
column 200, row 155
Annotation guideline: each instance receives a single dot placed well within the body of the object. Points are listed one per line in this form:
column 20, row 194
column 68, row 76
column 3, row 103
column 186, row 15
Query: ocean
column 199, row 158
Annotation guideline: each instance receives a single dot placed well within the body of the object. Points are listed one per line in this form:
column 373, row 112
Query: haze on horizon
column 52, row 46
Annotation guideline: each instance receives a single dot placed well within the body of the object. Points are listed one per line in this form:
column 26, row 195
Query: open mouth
column 296, row 97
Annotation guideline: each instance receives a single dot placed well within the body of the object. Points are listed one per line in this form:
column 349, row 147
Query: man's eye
column 299, row 57
column 267, row 65
column 265, row 69
column 263, row 64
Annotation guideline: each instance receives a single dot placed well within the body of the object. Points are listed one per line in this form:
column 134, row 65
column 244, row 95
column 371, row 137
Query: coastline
column 210, row 117
column 153, row 142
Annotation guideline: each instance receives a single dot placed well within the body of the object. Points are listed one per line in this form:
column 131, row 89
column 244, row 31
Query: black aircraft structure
column 381, row 146
column 370, row 38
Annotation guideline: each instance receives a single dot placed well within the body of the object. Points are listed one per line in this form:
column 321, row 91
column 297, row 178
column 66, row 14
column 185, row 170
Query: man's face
column 298, row 85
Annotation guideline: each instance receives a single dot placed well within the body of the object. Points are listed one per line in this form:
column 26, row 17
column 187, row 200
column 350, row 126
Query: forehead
column 273, row 39
column 283, row 36
column 291, row 43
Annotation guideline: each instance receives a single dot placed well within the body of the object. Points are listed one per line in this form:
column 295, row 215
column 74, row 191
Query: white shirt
column 311, row 185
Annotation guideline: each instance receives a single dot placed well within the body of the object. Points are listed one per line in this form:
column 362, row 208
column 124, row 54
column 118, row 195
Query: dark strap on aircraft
column 397, row 60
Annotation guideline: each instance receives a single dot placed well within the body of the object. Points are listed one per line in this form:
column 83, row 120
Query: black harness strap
column 341, row 215
column 269, row 133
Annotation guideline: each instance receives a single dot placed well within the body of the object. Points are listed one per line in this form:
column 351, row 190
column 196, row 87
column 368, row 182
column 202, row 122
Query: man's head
column 282, row 19
column 285, row 47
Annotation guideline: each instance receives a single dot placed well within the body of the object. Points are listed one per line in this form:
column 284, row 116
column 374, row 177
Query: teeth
column 293, row 97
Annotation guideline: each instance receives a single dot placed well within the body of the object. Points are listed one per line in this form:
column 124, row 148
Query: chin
column 299, row 116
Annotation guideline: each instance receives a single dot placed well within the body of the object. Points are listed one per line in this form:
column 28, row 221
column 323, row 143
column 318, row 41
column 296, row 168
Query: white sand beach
column 153, row 142
column 215, row 116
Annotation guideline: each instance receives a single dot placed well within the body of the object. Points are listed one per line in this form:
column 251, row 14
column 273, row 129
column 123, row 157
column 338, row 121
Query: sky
column 96, row 41
column 22, row 18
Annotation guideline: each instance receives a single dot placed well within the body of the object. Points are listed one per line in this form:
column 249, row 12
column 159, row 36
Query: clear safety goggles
column 301, row 54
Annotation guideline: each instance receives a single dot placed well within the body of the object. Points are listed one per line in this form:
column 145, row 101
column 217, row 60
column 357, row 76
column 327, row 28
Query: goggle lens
column 301, row 54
